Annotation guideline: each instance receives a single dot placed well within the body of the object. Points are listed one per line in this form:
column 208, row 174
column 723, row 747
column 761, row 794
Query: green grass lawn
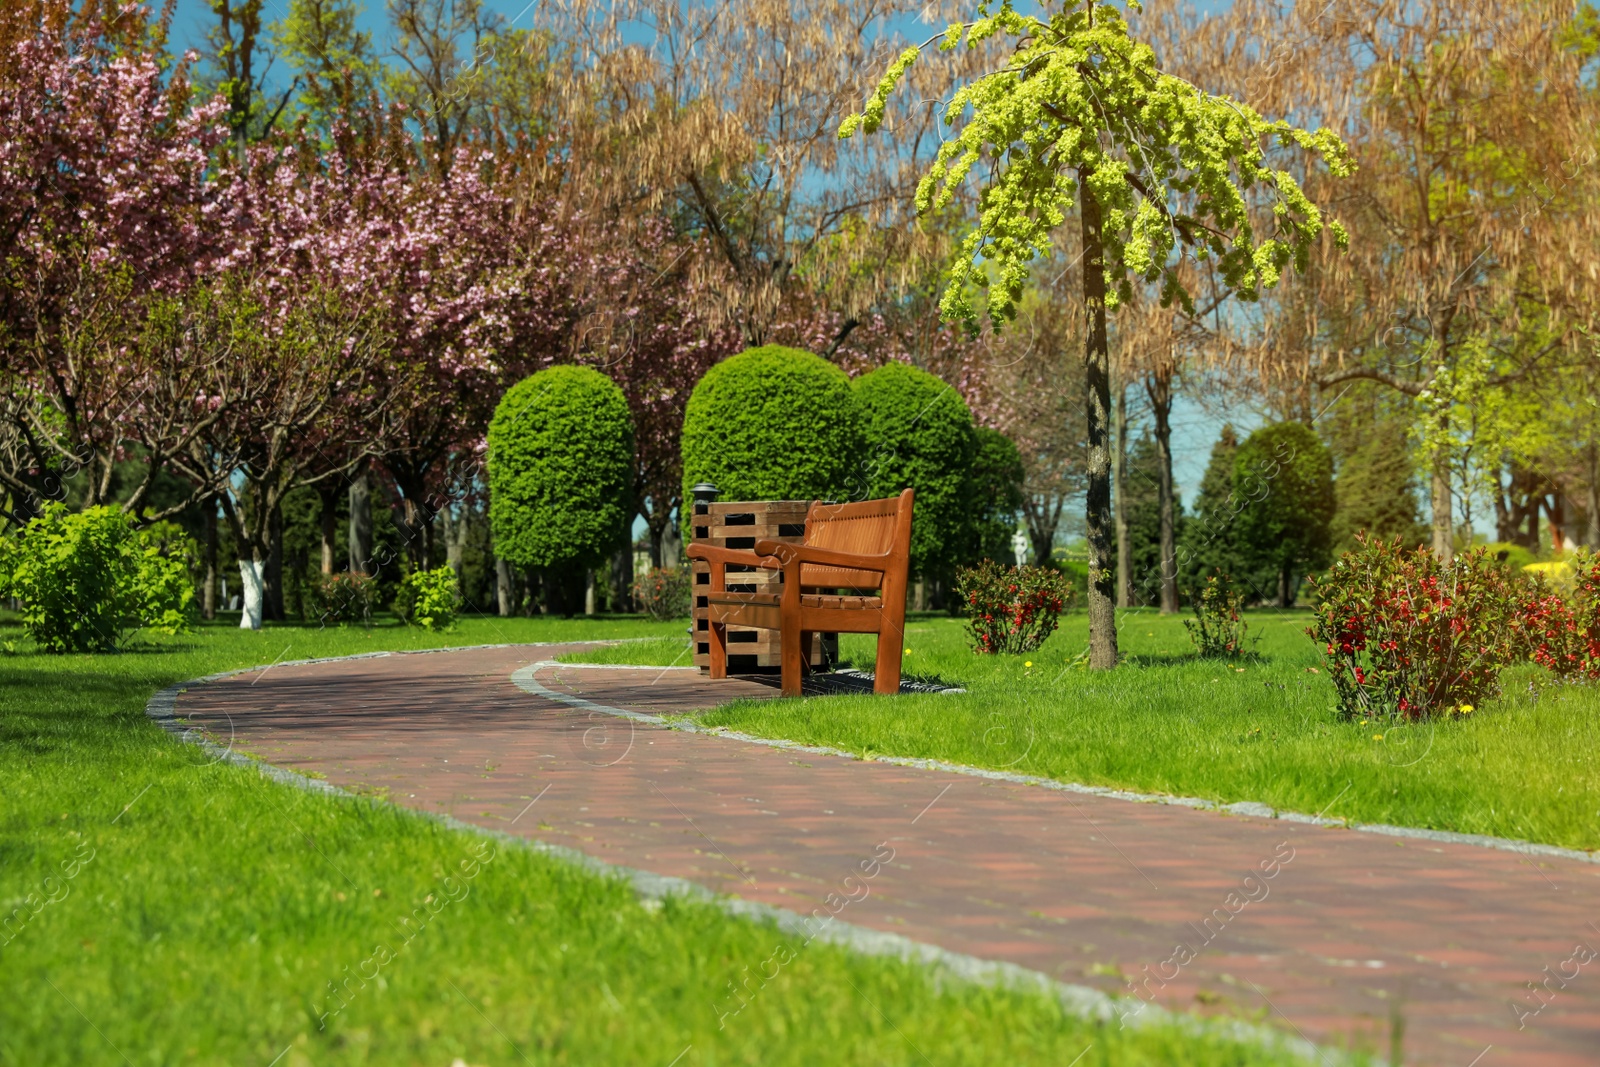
column 1526, row 765
column 184, row 911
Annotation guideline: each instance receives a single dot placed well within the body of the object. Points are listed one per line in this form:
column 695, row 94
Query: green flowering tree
column 1080, row 116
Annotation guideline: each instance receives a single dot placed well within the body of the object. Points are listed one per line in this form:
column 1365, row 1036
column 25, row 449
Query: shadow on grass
column 43, row 716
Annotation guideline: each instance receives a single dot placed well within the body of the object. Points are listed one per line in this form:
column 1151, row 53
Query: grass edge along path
column 220, row 917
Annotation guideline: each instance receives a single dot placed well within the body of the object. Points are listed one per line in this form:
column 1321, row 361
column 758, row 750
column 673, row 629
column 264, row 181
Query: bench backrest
column 867, row 526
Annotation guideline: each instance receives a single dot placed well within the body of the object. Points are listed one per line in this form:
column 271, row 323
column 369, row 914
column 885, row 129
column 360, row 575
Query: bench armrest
column 716, row 554
column 823, row 557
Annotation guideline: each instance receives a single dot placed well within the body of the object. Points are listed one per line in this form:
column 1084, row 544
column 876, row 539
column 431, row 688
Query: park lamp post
column 705, row 494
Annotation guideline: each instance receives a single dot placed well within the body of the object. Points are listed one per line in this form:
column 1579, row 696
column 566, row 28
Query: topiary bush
column 429, row 599
column 772, row 423
column 561, row 470
column 919, row 434
column 88, row 580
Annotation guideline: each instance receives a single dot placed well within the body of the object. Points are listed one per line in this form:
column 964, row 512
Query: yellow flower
column 1377, row 737
column 1466, row 709
column 1027, row 663
column 908, row 652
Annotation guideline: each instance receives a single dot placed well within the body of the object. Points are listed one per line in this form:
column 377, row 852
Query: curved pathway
column 1488, row 955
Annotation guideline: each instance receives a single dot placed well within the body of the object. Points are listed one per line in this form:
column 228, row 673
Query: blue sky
column 1195, row 428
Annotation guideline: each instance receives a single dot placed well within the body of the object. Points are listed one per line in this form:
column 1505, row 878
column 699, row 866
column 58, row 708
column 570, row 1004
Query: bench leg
column 789, row 659
column 717, row 639
column 886, row 673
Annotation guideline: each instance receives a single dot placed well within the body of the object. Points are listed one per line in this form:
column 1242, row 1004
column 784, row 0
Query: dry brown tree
column 724, row 117
column 1472, row 212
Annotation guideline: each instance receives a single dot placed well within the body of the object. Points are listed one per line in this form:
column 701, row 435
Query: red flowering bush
column 664, row 593
column 1011, row 609
column 1408, row 637
column 1218, row 629
column 348, row 596
column 1561, row 633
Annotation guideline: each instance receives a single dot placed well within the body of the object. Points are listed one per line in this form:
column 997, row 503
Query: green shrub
column 1283, row 479
column 88, row 580
column 664, row 592
column 1011, row 609
column 1218, row 629
column 919, row 434
column 993, row 492
column 429, row 599
column 772, row 423
column 340, row 598
column 561, row 469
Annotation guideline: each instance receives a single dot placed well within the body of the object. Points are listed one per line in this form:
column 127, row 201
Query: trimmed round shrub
column 772, row 423
column 919, row 435
column 560, row 469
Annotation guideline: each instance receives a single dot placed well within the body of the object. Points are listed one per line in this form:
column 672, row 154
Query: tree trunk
column 1043, row 512
column 671, row 547
column 657, row 529
column 416, row 524
column 1119, row 491
column 455, row 539
column 504, row 592
column 1159, row 388
column 589, row 591
column 1502, row 510
column 360, row 533
column 622, row 578
column 1556, row 512
column 1097, row 504
column 1443, row 522
column 272, row 573
column 1591, row 535
column 329, row 495
column 208, row 595
column 1285, row 595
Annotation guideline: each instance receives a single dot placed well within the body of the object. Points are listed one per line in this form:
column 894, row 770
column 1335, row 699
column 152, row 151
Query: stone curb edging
column 523, row 679
column 1082, row 1001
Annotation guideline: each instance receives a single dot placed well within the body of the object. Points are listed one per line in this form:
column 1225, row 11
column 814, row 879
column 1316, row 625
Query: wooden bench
column 849, row 576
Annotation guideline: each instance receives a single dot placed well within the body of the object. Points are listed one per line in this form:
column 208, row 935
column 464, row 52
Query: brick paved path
column 1078, row 887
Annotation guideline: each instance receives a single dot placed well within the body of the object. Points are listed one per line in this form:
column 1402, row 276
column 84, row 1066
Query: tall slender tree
column 1081, row 116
